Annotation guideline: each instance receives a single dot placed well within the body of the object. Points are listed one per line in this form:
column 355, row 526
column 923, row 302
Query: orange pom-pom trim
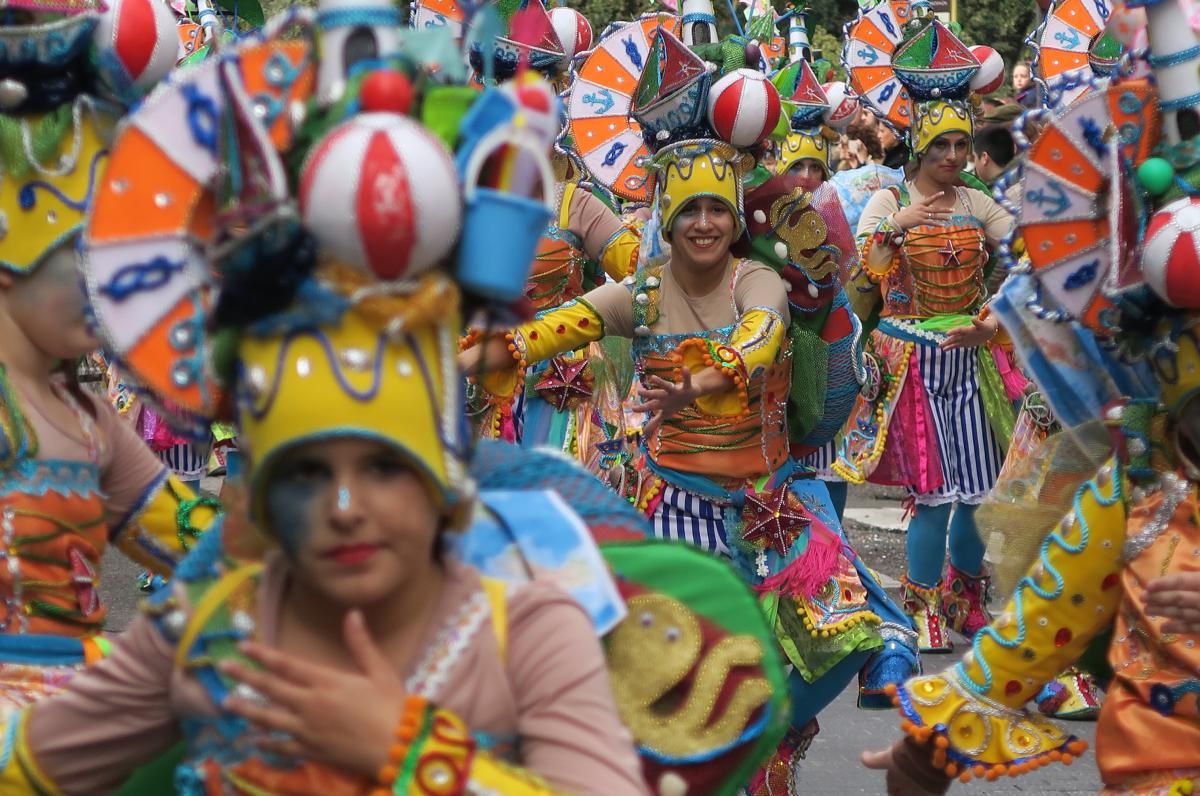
column 411, row 719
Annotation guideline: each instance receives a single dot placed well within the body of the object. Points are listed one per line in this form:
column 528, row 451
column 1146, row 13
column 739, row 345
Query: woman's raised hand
column 922, row 212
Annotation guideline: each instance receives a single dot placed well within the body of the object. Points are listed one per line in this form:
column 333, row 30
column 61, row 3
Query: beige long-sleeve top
column 551, row 691
column 756, row 285
column 994, row 219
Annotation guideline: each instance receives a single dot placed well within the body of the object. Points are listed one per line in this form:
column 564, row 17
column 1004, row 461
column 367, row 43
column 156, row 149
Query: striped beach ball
column 573, row 30
column 843, row 107
column 135, row 45
column 1171, row 258
column 380, row 192
column 743, row 107
column 991, row 70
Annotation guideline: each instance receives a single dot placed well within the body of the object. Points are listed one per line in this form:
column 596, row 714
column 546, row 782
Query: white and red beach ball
column 401, row 215
column 743, row 107
column 573, row 30
column 1171, row 258
column 991, row 70
column 843, row 106
column 139, row 38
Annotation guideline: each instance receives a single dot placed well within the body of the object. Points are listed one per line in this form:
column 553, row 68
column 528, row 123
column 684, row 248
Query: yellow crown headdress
column 688, row 170
column 933, row 118
column 362, row 375
column 316, row 295
column 810, row 145
column 66, row 81
column 46, row 192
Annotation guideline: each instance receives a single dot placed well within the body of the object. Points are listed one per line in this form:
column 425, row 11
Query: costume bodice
column 53, row 528
column 939, row 269
column 1155, row 673
column 560, row 270
column 720, row 447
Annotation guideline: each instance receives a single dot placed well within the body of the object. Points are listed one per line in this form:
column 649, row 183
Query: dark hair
column 70, row 371
column 866, row 133
column 997, row 141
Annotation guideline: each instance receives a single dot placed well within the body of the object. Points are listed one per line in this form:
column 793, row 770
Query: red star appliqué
column 564, row 382
column 773, row 519
column 83, row 579
column 951, row 254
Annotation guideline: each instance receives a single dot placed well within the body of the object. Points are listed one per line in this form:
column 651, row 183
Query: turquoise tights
column 927, row 542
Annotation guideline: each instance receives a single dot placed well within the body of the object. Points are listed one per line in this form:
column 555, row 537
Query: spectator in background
column 994, row 151
column 895, row 151
column 1027, row 92
column 866, row 129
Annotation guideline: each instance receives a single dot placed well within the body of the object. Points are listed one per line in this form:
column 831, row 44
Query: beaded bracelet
column 887, row 233
column 722, row 358
column 412, row 721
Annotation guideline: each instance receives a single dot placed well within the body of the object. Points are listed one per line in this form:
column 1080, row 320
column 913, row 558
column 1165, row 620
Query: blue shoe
column 148, row 582
column 890, row 666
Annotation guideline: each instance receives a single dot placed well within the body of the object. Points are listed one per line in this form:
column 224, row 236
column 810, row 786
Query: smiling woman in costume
column 710, row 346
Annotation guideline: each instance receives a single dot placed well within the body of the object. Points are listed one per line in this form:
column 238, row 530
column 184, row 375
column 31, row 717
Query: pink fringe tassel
column 805, row 576
column 1014, row 380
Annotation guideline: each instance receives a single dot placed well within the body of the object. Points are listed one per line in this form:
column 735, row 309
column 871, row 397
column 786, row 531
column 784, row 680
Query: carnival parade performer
column 74, row 478
column 433, row 675
column 585, row 241
column 926, row 422
column 1116, row 358
column 805, row 153
column 708, row 332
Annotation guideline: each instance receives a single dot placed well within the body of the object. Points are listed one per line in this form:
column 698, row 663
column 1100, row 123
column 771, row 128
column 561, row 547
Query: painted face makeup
column 343, row 498
column 291, row 499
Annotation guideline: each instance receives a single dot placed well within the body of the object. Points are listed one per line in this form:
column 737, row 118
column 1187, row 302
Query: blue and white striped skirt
column 684, row 517
column 971, row 456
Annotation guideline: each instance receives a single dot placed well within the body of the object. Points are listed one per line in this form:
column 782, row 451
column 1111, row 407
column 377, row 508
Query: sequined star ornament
column 566, row 382
column 951, row 253
column 773, row 519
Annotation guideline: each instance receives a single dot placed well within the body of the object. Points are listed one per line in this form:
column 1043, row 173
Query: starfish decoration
column 951, row 254
column 83, row 579
column 565, row 382
column 773, row 519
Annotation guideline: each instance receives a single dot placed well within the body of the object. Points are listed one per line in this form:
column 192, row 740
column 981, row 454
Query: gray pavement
column 832, row 767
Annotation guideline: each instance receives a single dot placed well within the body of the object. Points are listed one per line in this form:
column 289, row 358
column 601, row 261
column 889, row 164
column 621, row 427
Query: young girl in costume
column 926, row 420
column 357, row 585
column 74, row 478
column 708, row 334
column 373, row 662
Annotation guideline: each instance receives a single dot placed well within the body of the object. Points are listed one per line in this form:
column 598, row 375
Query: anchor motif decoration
column 602, row 101
column 1053, row 204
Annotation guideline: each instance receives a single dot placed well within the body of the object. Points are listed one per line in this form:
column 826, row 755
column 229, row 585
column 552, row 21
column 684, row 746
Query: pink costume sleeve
column 570, row 731
column 129, row 472
column 115, row 717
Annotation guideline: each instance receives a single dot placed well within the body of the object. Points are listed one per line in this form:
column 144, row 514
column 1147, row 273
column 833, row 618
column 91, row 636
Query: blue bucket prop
column 501, row 229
